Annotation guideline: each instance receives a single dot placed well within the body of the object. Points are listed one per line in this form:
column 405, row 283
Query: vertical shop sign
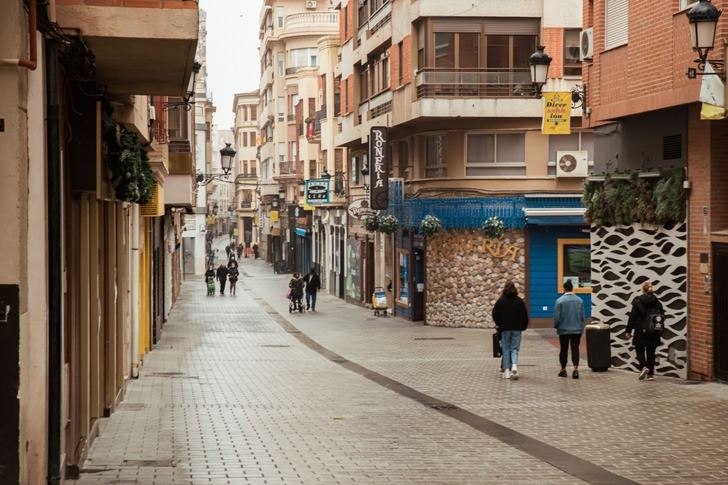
column 379, row 158
column 557, row 113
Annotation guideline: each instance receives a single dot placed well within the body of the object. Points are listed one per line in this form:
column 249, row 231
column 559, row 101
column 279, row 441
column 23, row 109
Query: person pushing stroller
column 210, row 280
column 295, row 293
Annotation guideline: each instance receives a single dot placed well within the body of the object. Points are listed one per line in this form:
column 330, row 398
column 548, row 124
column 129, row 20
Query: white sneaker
column 514, row 374
column 643, row 374
column 507, row 374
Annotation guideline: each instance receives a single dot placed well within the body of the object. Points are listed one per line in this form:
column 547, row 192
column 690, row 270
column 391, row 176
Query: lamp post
column 227, row 154
column 703, row 19
column 539, row 62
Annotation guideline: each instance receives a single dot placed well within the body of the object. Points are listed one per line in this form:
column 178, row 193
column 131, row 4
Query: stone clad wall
column 464, row 278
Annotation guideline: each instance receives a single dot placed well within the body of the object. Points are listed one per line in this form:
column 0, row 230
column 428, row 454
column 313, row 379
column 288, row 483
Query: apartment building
column 289, row 34
column 450, row 82
column 245, row 168
column 649, row 121
column 91, row 206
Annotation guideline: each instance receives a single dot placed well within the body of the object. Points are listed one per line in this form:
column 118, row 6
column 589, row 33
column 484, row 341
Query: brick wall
column 407, row 60
column 553, row 39
column 350, row 95
column 133, row 3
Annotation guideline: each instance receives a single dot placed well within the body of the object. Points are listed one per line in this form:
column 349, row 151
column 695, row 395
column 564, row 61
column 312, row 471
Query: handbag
column 497, row 350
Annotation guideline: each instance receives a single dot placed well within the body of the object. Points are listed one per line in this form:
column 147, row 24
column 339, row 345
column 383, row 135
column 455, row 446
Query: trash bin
column 598, row 347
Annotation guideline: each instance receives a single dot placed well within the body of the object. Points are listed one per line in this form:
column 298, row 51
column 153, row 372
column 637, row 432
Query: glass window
column 253, row 113
column 572, row 64
column 497, row 52
column 510, row 148
column 355, row 167
column 281, row 152
column 281, row 64
column 435, row 148
column 306, row 57
column 403, row 278
column 574, row 264
column 444, row 49
column 280, row 11
column 469, row 50
column 481, row 149
column 523, row 47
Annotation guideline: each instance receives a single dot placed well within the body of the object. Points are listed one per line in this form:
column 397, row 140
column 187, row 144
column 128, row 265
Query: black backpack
column 654, row 324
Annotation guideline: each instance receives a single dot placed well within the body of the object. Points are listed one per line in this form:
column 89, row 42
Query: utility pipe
column 32, row 63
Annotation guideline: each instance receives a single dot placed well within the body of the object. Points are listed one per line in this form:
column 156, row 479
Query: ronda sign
column 498, row 249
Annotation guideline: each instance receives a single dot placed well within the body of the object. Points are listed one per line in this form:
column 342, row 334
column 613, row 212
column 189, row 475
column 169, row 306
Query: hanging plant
column 130, row 173
column 670, row 197
column 430, row 225
column 388, row 224
column 493, row 227
column 371, row 223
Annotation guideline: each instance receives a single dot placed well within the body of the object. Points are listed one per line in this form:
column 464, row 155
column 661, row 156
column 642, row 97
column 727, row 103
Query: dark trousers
column 567, row 340
column 222, row 286
column 646, row 357
column 311, row 300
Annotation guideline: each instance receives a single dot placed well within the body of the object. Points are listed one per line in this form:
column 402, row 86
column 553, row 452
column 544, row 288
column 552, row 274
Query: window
column 575, row 141
column 615, row 23
column 435, row 151
column 253, row 112
column 574, row 264
column 252, row 167
column 281, row 152
column 306, row 57
column 490, row 154
column 468, row 50
column 281, row 108
column 312, row 169
column 355, row 168
column 253, row 141
column 293, row 151
column 444, row 49
column 280, row 13
column 281, row 64
column 345, row 22
column 245, row 139
column 572, row 64
column 400, row 63
column 403, row 277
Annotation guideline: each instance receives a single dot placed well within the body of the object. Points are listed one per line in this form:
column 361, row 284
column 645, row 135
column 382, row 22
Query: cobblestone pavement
column 232, row 396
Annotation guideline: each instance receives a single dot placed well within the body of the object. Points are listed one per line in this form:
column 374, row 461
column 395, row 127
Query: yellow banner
column 556, row 113
column 274, row 216
column 712, row 112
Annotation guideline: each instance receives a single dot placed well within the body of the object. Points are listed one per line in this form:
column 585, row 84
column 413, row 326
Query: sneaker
column 514, row 374
column 506, row 374
column 650, row 377
column 575, row 374
column 562, row 373
column 643, row 374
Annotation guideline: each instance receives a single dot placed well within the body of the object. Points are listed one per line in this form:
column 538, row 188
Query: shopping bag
column 288, row 294
column 497, row 351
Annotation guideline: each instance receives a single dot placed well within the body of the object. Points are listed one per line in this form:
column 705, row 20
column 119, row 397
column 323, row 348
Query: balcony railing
column 287, row 168
column 312, row 20
column 474, row 83
column 244, row 175
column 246, row 204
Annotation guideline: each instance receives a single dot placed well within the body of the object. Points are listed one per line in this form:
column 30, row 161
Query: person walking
column 233, row 275
column 644, row 327
column 511, row 319
column 255, row 251
column 210, row 280
column 313, row 284
column 296, row 292
column 569, row 325
column 222, row 273
column 240, row 250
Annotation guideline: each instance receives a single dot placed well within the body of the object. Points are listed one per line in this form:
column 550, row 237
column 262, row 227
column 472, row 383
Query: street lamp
column 325, row 174
column 703, row 18
column 227, row 155
column 539, row 62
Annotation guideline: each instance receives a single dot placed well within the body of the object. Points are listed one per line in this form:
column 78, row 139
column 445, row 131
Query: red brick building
column 637, row 82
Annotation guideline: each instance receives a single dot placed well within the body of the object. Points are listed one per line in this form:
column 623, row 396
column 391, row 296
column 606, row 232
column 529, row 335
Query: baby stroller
column 210, row 287
column 295, row 302
column 379, row 302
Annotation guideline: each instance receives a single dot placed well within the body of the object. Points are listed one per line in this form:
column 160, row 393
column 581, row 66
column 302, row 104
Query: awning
column 300, row 232
column 555, row 216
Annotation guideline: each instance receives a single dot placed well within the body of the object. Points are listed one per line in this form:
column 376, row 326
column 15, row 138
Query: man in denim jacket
column 569, row 324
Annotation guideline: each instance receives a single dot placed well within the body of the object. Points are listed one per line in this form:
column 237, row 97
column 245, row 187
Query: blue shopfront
column 558, row 250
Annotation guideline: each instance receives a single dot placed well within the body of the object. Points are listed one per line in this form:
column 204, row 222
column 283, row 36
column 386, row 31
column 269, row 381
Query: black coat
column 222, row 273
column 642, row 306
column 313, row 282
column 510, row 313
column 296, row 286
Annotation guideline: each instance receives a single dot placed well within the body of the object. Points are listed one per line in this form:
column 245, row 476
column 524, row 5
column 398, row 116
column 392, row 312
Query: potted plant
column 493, row 228
column 388, row 224
column 371, row 223
column 430, row 225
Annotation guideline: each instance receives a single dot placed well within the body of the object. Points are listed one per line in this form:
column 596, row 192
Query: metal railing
column 474, row 83
column 287, row 168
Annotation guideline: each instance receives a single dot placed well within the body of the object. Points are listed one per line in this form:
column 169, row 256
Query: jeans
column 646, row 357
column 567, row 340
column 311, row 300
column 511, row 344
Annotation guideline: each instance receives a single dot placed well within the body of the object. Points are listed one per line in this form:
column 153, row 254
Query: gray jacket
column 569, row 315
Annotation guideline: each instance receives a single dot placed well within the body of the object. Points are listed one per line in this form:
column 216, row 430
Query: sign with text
column 556, row 113
column 317, row 191
column 359, row 209
column 379, row 159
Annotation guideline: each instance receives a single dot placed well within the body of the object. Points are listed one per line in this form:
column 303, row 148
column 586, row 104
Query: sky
column 232, row 53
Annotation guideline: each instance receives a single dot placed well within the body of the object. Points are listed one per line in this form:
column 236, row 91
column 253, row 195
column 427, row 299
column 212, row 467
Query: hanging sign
column 556, row 113
column 359, row 209
column 317, row 191
column 379, row 159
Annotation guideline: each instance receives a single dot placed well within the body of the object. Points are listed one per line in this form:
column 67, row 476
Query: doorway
column 720, row 310
column 418, row 285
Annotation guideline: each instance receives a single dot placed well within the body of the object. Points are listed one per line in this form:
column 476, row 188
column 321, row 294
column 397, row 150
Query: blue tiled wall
column 543, row 269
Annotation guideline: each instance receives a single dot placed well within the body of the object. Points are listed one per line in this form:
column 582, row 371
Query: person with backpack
column 645, row 326
column 569, row 325
column 511, row 319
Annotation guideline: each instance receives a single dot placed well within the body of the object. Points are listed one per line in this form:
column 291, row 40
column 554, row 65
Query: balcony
column 148, row 49
column 287, row 169
column 246, row 177
column 310, row 23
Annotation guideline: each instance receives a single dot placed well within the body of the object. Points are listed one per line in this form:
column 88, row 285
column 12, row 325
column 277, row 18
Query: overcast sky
column 232, row 52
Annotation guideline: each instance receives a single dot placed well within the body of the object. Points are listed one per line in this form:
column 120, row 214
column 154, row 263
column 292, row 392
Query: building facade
column 245, row 170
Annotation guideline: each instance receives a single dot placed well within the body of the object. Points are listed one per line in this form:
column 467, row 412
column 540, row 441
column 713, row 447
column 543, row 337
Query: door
column 188, row 245
column 720, row 310
column 418, row 285
column 369, row 277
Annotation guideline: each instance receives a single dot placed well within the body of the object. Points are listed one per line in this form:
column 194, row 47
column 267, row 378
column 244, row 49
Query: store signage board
column 556, row 113
column 317, row 192
column 360, row 209
column 379, row 159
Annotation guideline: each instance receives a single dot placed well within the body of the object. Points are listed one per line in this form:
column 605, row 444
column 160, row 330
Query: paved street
column 239, row 391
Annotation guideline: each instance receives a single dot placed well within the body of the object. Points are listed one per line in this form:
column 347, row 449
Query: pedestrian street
column 240, row 391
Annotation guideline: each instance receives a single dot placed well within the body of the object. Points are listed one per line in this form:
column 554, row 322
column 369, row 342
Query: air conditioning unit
column 586, row 44
column 572, row 164
column 311, row 4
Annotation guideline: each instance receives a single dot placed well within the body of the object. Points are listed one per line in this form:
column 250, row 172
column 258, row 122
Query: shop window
column 574, row 264
column 435, row 151
column 403, row 278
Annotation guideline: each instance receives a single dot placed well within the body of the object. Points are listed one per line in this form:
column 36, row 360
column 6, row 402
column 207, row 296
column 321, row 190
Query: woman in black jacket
column 511, row 319
column 645, row 307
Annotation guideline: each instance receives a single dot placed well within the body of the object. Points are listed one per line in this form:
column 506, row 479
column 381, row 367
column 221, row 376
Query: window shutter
column 616, row 23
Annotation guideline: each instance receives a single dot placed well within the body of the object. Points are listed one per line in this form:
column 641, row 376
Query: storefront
column 409, row 281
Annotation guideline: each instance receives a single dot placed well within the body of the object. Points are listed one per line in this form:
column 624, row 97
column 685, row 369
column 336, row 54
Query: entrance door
column 720, row 310
column 418, row 287
column 188, row 248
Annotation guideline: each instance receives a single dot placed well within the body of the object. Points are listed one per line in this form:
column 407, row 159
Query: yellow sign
column 556, row 113
column 497, row 249
column 274, row 216
column 712, row 112
column 236, row 232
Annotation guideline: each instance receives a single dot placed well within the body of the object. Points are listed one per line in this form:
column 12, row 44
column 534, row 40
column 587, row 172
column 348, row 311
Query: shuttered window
column 616, row 22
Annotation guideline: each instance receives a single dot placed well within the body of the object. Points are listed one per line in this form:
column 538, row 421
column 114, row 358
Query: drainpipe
column 55, row 275
column 31, row 63
column 135, row 235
